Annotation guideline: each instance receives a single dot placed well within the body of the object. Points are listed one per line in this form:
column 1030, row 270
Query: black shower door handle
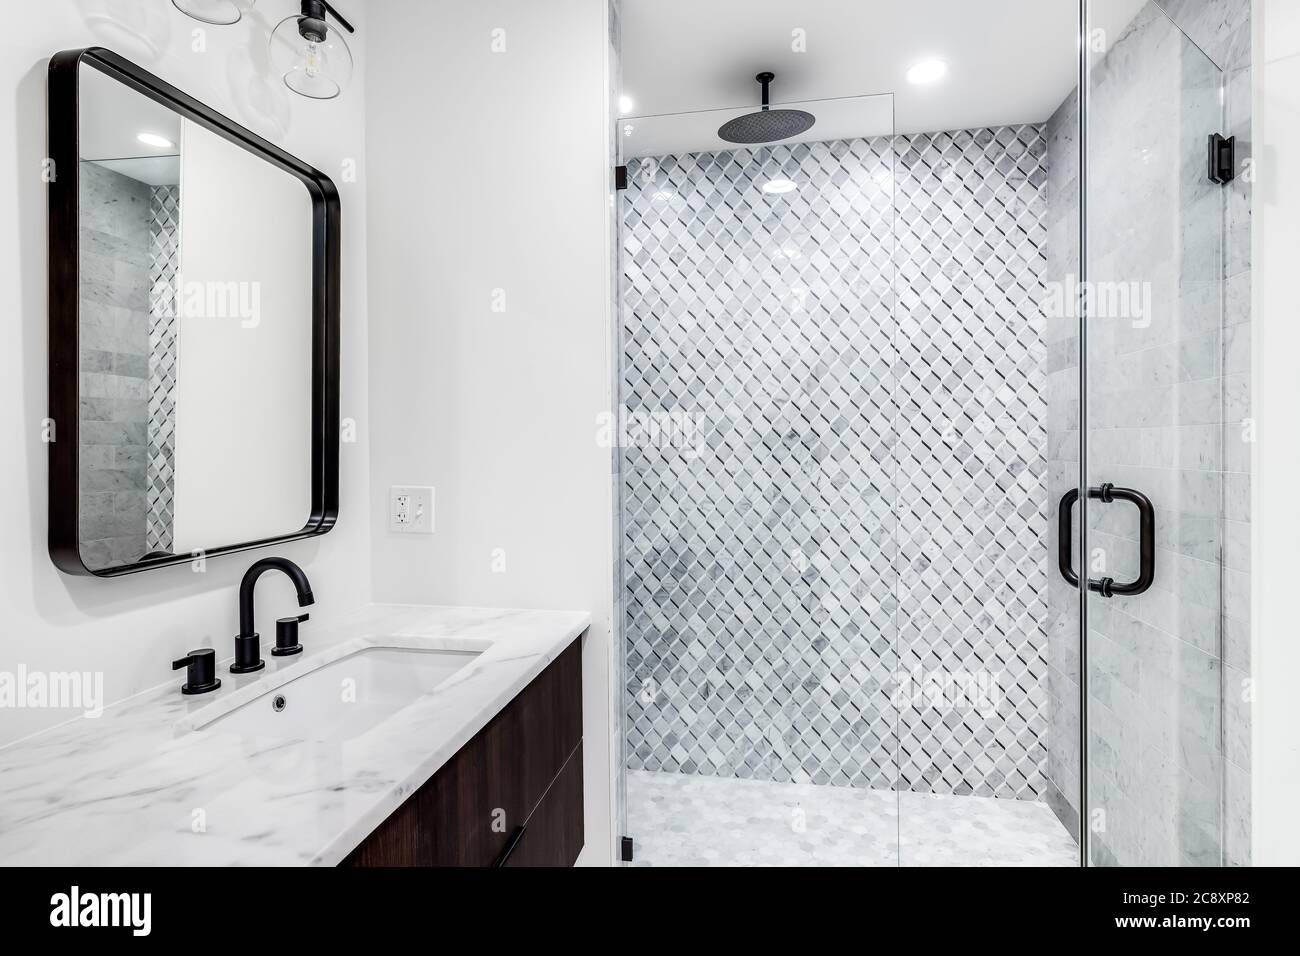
column 1107, row 587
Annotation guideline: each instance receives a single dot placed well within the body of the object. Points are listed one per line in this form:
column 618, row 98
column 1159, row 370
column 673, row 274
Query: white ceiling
column 1009, row 61
column 112, row 116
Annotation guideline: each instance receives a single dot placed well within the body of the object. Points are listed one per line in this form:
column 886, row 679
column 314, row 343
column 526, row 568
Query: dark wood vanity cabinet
column 512, row 796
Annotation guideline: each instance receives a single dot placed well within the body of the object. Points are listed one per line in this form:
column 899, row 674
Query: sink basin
column 343, row 698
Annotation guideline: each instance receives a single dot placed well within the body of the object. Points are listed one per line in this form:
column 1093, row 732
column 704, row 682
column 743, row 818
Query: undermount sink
column 342, row 698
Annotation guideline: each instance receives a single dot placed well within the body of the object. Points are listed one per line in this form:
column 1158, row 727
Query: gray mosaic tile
column 780, row 579
column 972, row 497
column 165, row 260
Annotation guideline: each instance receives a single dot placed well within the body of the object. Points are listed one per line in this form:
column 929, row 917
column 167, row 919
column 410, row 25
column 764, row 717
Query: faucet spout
column 247, row 621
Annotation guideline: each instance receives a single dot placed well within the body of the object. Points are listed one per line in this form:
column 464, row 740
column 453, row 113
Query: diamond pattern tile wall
column 973, row 511
column 164, row 232
column 770, row 609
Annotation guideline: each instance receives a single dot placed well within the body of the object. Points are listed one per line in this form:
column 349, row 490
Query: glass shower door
column 1159, row 424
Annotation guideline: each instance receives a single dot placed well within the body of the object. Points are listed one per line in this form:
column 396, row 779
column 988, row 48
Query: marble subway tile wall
column 864, row 500
column 1155, row 423
column 115, row 270
column 1168, row 407
column 1227, row 28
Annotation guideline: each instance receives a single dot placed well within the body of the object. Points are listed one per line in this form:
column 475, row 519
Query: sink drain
column 277, row 703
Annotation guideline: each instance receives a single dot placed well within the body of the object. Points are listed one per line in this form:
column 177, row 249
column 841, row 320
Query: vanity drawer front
column 466, row 814
column 554, row 835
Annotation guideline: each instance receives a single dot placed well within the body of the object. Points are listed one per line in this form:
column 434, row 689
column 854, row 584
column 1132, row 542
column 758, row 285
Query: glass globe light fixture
column 311, row 54
column 221, row 13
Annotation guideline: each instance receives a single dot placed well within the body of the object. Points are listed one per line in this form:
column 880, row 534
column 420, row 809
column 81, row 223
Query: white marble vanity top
column 132, row 787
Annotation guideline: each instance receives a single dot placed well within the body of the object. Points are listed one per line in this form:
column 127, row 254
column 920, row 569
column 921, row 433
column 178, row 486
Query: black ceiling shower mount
column 767, row 125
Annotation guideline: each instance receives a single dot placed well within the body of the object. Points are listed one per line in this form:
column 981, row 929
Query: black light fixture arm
column 312, row 23
column 338, row 16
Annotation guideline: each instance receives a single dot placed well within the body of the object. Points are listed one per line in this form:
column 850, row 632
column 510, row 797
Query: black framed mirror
column 193, row 328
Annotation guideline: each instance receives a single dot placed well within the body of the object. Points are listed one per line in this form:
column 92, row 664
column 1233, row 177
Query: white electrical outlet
column 410, row 509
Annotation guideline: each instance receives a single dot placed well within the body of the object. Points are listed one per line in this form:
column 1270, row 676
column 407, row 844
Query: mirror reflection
column 195, row 331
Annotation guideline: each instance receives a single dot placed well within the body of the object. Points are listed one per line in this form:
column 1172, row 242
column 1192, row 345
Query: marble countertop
column 131, row 787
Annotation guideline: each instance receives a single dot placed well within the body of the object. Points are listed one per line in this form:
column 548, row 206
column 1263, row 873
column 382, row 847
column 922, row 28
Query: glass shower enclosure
column 930, row 461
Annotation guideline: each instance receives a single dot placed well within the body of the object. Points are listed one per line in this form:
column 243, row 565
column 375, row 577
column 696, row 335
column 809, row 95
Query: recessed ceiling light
column 625, row 104
column 158, row 142
column 779, row 186
column 927, row 71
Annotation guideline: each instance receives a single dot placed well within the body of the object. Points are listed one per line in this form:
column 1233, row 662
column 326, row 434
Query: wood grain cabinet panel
column 553, row 834
column 524, row 769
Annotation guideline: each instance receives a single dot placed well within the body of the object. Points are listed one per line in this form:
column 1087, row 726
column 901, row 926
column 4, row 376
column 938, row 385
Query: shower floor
column 685, row 820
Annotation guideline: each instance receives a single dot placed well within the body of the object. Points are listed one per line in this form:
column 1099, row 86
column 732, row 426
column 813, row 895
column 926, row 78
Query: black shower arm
column 1107, row 587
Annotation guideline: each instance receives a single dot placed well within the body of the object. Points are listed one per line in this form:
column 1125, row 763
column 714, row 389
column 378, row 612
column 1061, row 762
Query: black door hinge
column 1223, row 159
column 620, row 177
column 625, row 853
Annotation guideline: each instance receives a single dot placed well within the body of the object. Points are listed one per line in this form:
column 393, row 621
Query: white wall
column 1275, row 517
column 489, row 171
column 243, row 382
column 131, row 628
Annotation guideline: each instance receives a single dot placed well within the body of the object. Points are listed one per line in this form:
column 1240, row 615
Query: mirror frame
column 65, row 294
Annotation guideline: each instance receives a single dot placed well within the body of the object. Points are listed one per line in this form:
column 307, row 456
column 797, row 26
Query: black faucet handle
column 286, row 636
column 201, row 678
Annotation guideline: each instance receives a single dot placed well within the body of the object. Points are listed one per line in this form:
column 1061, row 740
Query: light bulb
column 312, row 57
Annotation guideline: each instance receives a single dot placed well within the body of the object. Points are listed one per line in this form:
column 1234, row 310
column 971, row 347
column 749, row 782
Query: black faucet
column 248, row 650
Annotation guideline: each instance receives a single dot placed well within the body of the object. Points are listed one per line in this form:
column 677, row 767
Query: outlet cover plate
column 410, row 509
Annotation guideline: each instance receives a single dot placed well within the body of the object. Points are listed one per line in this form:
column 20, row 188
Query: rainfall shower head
column 767, row 125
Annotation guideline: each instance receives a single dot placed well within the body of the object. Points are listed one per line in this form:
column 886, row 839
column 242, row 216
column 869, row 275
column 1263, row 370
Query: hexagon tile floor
column 686, row 820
